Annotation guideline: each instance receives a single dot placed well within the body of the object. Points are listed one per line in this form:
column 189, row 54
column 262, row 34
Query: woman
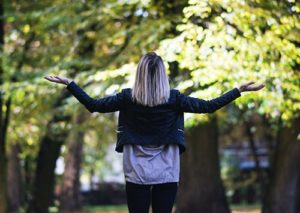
column 150, row 130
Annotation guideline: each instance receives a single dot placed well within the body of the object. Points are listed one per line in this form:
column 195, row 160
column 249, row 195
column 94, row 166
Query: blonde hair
column 151, row 86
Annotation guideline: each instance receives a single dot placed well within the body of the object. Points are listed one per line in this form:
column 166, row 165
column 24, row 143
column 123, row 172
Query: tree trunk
column 70, row 194
column 44, row 176
column 259, row 171
column 2, row 182
column 298, row 196
column 44, row 180
column 3, row 179
column 51, row 144
column 201, row 188
column 2, row 133
column 28, row 174
column 92, row 184
column 282, row 190
column 14, row 178
column 3, row 161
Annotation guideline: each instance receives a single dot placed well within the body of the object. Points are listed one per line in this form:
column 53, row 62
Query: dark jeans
column 161, row 196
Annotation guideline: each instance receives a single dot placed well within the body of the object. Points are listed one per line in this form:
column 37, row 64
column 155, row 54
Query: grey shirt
column 151, row 164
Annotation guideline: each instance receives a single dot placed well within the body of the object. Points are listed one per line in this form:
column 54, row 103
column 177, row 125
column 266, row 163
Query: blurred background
column 56, row 156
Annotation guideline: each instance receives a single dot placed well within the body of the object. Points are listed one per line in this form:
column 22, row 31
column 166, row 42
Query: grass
column 108, row 208
column 247, row 208
column 244, row 208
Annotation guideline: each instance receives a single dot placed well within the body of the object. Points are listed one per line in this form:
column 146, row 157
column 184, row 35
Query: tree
column 118, row 31
column 70, row 193
column 14, row 179
column 4, row 120
column 222, row 43
column 201, row 181
column 283, row 186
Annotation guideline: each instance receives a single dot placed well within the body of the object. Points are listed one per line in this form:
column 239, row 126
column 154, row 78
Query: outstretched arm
column 196, row 105
column 107, row 104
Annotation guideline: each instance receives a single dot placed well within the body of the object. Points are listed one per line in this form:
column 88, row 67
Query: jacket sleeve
column 196, row 105
column 107, row 104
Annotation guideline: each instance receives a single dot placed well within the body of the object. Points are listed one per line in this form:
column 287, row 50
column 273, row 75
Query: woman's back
column 144, row 125
column 149, row 120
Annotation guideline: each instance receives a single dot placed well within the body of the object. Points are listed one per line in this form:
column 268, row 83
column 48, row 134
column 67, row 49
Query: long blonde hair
column 151, row 86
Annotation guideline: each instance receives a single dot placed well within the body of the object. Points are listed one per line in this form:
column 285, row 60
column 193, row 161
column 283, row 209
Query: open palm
column 250, row 87
column 58, row 79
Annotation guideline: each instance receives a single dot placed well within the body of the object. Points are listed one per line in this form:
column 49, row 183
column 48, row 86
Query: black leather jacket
column 162, row 124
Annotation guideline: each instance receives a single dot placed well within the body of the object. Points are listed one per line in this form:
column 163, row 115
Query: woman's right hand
column 248, row 87
column 57, row 79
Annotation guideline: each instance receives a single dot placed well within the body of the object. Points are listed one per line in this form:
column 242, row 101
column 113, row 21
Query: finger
column 57, row 77
column 261, row 86
column 49, row 78
column 60, row 80
column 258, row 87
column 249, row 83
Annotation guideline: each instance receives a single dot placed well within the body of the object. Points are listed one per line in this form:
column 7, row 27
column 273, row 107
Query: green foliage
column 95, row 43
column 223, row 44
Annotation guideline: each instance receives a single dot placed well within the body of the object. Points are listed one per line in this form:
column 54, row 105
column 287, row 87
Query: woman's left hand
column 57, row 79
